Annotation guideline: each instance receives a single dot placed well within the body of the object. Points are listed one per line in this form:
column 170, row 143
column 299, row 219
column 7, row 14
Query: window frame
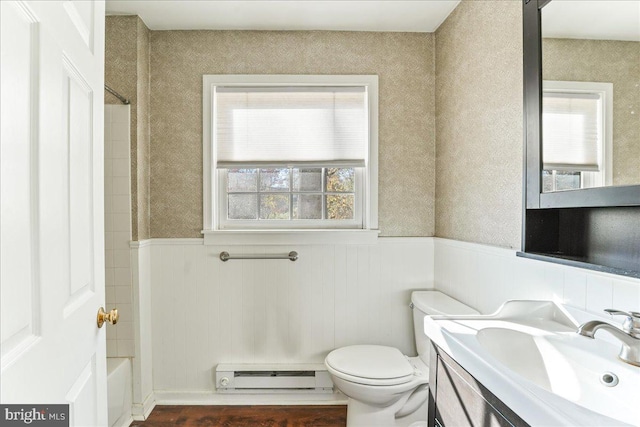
column 214, row 180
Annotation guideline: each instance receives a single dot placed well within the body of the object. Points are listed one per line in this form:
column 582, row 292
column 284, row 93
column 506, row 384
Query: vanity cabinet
column 457, row 399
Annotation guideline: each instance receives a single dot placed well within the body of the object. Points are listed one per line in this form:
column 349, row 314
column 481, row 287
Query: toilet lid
column 371, row 364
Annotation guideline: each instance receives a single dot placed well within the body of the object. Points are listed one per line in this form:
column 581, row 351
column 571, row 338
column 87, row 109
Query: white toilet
column 384, row 386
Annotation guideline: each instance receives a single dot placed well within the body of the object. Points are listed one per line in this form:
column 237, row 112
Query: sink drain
column 609, row 379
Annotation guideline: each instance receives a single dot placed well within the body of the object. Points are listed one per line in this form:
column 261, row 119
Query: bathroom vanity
column 526, row 365
column 457, row 399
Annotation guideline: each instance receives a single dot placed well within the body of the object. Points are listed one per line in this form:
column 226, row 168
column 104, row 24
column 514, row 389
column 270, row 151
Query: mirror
column 591, row 94
column 597, row 227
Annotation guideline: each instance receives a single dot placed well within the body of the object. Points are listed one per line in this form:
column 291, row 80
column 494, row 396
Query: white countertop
column 456, row 335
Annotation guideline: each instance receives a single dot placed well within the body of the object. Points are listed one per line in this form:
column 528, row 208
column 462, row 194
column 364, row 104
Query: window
column 576, row 126
column 291, row 193
column 290, row 152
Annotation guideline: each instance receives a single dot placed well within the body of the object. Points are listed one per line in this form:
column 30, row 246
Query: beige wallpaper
column 479, row 116
column 616, row 62
column 127, row 72
column 143, row 155
column 404, row 63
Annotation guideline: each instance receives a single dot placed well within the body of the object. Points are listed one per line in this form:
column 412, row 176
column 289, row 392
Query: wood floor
column 246, row 416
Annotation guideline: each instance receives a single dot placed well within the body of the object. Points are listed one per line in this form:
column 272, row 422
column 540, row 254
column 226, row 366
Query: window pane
column 340, row 180
column 340, row 206
column 307, row 206
column 274, row 179
column 307, row 179
column 274, row 206
column 243, row 206
column 242, row 180
column 567, row 180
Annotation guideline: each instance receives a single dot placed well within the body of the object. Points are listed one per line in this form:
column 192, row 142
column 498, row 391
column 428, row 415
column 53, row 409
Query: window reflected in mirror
column 577, row 130
column 591, row 95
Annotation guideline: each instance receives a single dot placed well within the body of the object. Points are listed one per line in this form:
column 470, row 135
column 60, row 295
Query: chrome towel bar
column 291, row 256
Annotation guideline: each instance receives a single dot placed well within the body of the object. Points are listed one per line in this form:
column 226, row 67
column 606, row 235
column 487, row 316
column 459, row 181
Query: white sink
column 529, row 355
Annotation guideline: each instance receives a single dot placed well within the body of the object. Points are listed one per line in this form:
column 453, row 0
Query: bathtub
column 119, row 387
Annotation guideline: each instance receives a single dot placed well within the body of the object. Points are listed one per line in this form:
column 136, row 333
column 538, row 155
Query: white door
column 52, row 231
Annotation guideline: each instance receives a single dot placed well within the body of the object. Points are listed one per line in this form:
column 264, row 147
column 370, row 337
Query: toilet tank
column 426, row 303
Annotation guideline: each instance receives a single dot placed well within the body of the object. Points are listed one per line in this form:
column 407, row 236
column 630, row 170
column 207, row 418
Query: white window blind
column 572, row 131
column 256, row 126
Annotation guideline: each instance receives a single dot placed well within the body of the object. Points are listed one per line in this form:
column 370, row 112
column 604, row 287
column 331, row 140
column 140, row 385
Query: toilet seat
column 375, row 365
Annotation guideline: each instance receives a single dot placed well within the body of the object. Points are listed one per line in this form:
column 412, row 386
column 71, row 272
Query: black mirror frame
column 535, row 199
column 587, row 210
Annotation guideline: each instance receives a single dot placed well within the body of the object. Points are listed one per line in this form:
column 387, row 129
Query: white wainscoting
column 205, row 311
column 485, row 276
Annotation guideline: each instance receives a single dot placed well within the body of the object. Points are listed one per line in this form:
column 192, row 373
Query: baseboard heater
column 274, row 378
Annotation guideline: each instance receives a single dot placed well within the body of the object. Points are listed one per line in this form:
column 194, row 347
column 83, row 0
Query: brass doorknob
column 111, row 317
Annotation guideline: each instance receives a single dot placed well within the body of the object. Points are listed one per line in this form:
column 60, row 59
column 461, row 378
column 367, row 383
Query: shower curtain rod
column 122, row 99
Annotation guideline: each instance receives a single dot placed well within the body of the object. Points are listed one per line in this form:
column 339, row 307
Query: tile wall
column 117, row 205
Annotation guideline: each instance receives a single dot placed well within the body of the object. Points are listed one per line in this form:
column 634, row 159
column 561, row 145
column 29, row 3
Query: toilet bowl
column 384, row 386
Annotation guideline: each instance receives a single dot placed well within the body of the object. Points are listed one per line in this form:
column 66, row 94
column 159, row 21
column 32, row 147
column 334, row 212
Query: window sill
column 289, row 237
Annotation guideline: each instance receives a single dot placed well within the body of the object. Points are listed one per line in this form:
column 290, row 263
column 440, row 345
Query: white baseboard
column 212, row 398
column 141, row 411
column 124, row 422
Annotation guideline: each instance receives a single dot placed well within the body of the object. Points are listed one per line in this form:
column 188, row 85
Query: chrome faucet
column 629, row 334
